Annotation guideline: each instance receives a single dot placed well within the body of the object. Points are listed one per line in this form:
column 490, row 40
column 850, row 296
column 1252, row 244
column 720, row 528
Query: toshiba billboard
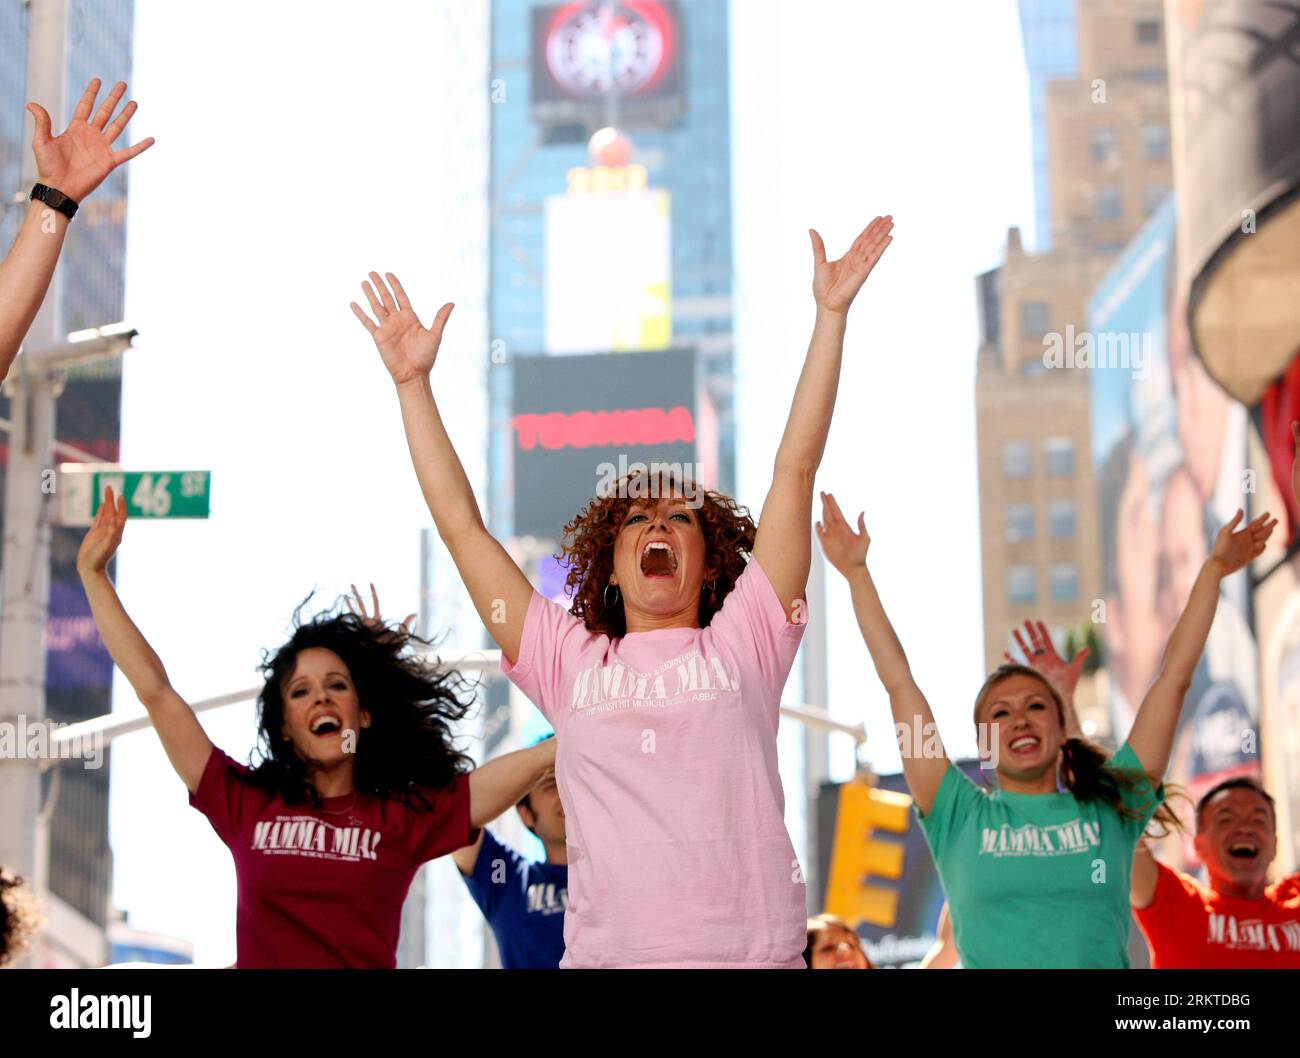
column 577, row 421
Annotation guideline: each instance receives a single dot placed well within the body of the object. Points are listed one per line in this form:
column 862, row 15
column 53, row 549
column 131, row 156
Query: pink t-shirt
column 666, row 766
column 324, row 887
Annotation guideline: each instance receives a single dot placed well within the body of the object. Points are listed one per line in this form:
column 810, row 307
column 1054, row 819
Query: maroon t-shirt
column 324, row 887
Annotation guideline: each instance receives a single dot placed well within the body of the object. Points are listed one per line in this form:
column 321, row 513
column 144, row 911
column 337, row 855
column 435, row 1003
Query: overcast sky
column 295, row 154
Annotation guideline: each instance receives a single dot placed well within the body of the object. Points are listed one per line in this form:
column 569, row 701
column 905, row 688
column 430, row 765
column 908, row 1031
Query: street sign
column 149, row 493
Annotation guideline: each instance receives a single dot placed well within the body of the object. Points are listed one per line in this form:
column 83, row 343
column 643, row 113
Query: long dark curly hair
column 408, row 748
column 588, row 547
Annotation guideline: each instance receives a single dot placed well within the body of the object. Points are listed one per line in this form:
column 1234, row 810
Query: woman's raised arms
column 74, row 164
column 500, row 591
column 1152, row 736
column 924, row 760
column 783, row 545
column 184, row 739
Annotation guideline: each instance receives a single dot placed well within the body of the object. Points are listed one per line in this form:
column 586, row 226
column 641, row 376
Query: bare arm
column 847, row 552
column 1152, row 735
column 187, row 744
column 1142, row 882
column 499, row 784
column 500, row 591
column 466, row 858
column 783, row 546
column 74, row 163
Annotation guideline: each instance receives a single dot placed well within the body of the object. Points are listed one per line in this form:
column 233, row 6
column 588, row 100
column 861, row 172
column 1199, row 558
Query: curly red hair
column 588, row 548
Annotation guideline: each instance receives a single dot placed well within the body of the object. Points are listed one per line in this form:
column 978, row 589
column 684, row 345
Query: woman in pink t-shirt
column 359, row 783
column 663, row 681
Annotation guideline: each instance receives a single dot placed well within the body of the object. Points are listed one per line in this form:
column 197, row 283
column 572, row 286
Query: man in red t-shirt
column 1238, row 921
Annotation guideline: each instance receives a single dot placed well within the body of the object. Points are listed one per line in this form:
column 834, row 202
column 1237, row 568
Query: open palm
column 843, row 547
column 836, row 283
column 407, row 347
column 77, row 161
column 104, row 536
column 1040, row 653
column 1233, row 549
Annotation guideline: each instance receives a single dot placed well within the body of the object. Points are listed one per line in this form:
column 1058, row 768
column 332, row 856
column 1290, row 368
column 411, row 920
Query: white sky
column 295, row 154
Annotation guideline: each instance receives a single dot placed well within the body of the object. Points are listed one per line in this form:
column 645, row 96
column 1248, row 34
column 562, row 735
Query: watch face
column 626, row 46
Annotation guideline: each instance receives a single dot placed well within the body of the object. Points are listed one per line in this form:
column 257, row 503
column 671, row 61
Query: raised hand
column 836, row 283
column 1043, row 657
column 373, row 619
column 1234, row 549
column 77, row 161
column 844, row 548
column 104, row 535
column 408, row 349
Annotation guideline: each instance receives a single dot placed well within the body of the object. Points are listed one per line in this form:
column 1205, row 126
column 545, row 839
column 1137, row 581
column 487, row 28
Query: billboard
column 608, row 271
column 579, row 420
column 588, row 57
column 1171, row 463
column 1235, row 105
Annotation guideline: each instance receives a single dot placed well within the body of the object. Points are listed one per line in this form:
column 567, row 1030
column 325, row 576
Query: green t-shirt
column 1037, row 881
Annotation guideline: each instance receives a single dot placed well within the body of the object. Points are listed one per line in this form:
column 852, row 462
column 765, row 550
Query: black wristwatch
column 55, row 200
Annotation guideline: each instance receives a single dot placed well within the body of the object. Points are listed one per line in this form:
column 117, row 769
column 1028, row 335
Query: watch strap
column 56, row 200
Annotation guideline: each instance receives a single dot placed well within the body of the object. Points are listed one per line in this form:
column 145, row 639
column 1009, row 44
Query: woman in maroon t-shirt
column 359, row 784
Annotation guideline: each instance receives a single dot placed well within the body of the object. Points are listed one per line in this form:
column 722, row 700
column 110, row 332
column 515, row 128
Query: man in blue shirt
column 523, row 901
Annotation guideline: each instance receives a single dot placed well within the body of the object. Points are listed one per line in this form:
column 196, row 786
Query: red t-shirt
column 1190, row 926
column 324, row 887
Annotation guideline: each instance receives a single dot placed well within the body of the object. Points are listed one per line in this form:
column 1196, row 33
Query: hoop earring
column 708, row 588
column 605, row 596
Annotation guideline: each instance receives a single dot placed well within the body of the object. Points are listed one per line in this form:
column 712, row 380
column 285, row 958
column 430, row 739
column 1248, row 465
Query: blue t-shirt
column 523, row 903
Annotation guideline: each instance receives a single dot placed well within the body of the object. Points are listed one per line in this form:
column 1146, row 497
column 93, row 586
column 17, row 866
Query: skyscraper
column 1101, row 141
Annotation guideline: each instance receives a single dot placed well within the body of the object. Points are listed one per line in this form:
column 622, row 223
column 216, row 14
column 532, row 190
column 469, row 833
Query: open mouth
column 326, row 724
column 658, row 559
column 1243, row 850
column 1023, row 745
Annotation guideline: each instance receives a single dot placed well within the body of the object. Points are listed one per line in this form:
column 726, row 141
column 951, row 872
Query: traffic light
column 857, row 855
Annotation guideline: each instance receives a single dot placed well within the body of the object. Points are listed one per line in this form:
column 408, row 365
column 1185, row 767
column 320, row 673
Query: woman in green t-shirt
column 1036, row 872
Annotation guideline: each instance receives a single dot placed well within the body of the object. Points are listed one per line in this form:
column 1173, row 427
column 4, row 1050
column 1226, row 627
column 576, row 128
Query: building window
column 1058, row 456
column 1022, row 584
column 1152, row 196
column 1033, row 319
column 1148, row 31
column 1063, row 578
column 1019, row 518
column 1062, row 519
column 1105, row 143
column 1108, row 204
column 1155, row 142
column 1017, row 459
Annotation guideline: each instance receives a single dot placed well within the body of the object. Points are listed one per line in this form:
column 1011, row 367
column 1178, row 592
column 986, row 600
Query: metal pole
column 816, row 748
column 25, row 565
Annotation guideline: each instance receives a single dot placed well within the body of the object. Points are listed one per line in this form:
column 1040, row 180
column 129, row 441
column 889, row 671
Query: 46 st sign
column 149, row 494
